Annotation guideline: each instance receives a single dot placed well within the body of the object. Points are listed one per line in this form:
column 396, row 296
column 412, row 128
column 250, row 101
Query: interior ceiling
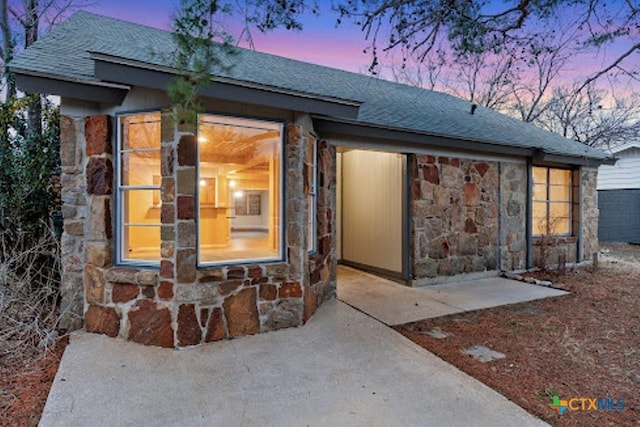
column 224, row 144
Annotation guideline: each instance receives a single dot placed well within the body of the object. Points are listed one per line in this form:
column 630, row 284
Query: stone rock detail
column 94, row 285
column 74, row 202
column 99, row 176
column 513, row 187
column 98, row 254
column 590, row 213
column 165, row 290
column 186, row 207
column 187, row 151
column 215, row 326
column 241, row 313
column 97, row 132
column 102, row 320
column 123, row 292
column 186, row 265
column 268, row 292
column 189, row 332
column 310, row 303
column 290, row 290
column 285, row 314
column 454, row 216
column 150, row 324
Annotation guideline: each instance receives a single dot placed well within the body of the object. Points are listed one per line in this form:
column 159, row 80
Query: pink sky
column 320, row 41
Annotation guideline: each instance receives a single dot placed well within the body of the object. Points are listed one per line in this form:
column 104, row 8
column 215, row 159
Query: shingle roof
column 65, row 53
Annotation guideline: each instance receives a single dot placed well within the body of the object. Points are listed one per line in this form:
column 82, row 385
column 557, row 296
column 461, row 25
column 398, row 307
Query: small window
column 138, row 186
column 240, row 190
column 551, row 201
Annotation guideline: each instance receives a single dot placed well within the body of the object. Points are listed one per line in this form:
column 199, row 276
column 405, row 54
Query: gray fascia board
column 160, row 79
column 326, row 128
column 329, row 127
column 579, row 161
column 81, row 90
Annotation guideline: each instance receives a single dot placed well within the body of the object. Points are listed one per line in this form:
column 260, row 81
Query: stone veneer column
column 513, row 211
column 98, row 238
column 188, row 331
column 323, row 265
column 590, row 212
column 74, row 212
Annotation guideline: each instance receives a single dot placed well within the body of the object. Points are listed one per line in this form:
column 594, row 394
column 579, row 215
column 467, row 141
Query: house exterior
column 175, row 235
column 619, row 196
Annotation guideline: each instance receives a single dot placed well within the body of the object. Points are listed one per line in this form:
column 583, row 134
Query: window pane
column 557, row 209
column 559, row 193
column 560, row 176
column 141, row 206
column 140, row 168
column 141, row 242
column 140, row 131
column 139, row 187
column 539, row 192
column 239, row 191
column 539, row 222
column 561, row 226
column 539, row 226
column 539, row 175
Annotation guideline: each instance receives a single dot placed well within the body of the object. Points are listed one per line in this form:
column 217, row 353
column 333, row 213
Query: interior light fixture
column 203, row 183
column 238, row 194
column 232, row 183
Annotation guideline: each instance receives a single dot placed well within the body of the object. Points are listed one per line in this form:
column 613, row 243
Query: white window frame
column 313, row 205
column 280, row 257
column 119, row 197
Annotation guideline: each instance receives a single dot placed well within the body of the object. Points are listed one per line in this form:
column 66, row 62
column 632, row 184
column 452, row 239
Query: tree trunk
column 7, row 49
column 31, row 36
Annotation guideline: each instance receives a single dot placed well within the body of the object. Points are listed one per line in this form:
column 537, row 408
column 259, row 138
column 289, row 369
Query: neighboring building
column 176, row 235
column 619, row 196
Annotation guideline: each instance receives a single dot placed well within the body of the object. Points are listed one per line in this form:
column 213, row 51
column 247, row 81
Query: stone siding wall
column 513, row 214
column 454, row 205
column 590, row 212
column 179, row 304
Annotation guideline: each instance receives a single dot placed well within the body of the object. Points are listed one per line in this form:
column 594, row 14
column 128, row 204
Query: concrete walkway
column 396, row 304
column 342, row 369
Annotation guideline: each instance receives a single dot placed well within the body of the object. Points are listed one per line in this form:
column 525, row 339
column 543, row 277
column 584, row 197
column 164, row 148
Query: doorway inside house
column 372, row 211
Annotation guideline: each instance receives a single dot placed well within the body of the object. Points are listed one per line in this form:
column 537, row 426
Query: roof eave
column 135, row 73
column 83, row 89
column 327, row 126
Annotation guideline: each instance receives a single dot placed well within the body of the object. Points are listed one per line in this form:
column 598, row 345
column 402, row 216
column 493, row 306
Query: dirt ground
column 582, row 345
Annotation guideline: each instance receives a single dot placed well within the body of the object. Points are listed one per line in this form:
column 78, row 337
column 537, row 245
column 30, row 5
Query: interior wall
column 371, row 208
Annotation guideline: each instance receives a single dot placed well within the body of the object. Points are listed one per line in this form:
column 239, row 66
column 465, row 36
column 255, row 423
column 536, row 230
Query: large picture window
column 551, row 201
column 240, row 190
column 138, row 186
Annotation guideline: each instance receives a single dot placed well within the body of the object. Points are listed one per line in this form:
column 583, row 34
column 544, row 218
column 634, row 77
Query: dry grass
column 29, row 294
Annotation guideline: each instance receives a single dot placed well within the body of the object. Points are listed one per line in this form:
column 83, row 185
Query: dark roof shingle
column 65, row 53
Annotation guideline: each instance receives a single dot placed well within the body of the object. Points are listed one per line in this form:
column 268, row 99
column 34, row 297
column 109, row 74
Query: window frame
column 312, row 247
column 282, row 235
column 570, row 201
column 118, row 199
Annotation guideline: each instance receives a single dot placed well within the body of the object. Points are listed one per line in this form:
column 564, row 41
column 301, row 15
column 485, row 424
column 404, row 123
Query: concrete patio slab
column 342, row 368
column 396, row 304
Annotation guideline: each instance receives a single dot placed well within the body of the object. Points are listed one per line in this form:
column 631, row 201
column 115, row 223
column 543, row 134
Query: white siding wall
column 625, row 174
column 372, row 208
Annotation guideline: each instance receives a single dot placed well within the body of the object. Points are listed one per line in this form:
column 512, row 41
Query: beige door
column 371, row 197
